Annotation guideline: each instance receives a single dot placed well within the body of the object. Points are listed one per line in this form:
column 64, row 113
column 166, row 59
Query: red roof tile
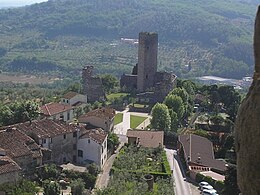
column 199, row 150
column 46, row 128
column 104, row 113
column 17, row 144
column 150, row 139
column 54, row 108
column 7, row 165
column 97, row 135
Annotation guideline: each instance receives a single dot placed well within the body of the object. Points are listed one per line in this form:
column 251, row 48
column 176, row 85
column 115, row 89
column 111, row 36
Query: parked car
column 203, row 183
column 206, row 187
column 209, row 192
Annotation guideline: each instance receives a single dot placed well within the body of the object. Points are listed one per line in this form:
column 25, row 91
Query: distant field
column 26, row 79
column 135, row 121
column 118, row 118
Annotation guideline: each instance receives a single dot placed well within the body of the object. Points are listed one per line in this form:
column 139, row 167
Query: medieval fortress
column 151, row 85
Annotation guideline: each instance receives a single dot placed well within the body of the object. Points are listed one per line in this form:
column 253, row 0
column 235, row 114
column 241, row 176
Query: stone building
column 150, row 84
column 9, row 170
column 92, row 85
column 20, row 148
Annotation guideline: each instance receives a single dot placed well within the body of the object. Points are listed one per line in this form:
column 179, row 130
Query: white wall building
column 74, row 99
column 92, row 147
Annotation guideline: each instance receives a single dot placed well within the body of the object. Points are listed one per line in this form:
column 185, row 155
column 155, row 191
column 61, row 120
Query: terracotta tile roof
column 46, row 128
column 98, row 135
column 7, row 165
column 199, row 150
column 54, row 108
column 17, row 144
column 104, row 113
column 70, row 95
column 149, row 139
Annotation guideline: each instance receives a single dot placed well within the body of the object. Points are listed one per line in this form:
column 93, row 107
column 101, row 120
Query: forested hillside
column 197, row 37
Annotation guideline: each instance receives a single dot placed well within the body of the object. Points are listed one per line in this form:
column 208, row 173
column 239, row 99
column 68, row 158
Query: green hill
column 196, row 37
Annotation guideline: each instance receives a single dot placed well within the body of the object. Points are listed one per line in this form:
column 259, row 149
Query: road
column 181, row 186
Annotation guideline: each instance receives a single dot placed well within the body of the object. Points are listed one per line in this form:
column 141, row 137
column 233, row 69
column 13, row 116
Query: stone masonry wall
column 247, row 129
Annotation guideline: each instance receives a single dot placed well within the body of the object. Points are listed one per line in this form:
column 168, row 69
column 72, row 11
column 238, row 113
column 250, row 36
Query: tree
column 161, row 117
column 175, row 103
column 110, row 83
column 51, row 188
column 77, row 187
column 174, row 120
column 181, row 92
column 231, row 187
column 112, row 141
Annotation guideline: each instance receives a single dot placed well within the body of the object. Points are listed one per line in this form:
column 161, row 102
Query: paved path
column 181, row 187
column 103, row 177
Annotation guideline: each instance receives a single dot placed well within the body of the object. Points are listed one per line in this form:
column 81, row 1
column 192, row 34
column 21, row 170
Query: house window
column 64, row 100
column 50, row 140
column 64, row 159
column 68, row 116
column 74, row 146
column 64, row 136
column 101, row 161
column 102, row 150
column 67, row 101
column 74, row 134
column 89, row 141
column 44, row 141
column 80, row 153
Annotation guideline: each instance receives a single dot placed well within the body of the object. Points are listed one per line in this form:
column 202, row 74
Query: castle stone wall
column 147, row 60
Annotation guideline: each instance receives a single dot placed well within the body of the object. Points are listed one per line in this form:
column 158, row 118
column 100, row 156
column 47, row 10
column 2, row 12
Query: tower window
column 146, row 76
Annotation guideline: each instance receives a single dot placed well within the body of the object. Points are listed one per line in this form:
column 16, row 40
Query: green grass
column 135, row 121
column 116, row 95
column 139, row 105
column 118, row 118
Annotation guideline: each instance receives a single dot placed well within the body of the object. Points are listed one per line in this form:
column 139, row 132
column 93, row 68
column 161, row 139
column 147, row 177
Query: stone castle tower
column 92, row 86
column 147, row 60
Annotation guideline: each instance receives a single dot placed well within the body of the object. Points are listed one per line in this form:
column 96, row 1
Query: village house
column 199, row 156
column 20, row 148
column 149, row 139
column 92, row 147
column 58, row 139
column 74, row 99
column 57, row 111
column 9, row 169
column 101, row 117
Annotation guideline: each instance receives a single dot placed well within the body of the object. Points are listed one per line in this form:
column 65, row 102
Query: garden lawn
column 118, row 118
column 135, row 121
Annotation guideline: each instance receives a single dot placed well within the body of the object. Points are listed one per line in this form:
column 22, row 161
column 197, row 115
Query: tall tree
column 175, row 103
column 161, row 117
column 110, row 83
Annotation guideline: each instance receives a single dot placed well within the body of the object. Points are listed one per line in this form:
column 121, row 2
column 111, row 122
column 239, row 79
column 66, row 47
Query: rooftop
column 46, row 128
column 7, row 165
column 98, row 135
column 70, row 95
column 103, row 113
column 199, row 150
column 54, row 108
column 17, row 144
column 150, row 139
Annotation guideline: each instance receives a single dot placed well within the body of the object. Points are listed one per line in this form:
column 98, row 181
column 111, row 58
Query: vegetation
column 130, row 167
column 51, row 188
column 77, row 187
column 112, row 141
column 59, row 37
column 135, row 121
column 22, row 187
column 118, row 118
column 161, row 118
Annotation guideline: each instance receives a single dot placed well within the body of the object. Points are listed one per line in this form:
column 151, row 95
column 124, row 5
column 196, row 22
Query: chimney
column 149, row 179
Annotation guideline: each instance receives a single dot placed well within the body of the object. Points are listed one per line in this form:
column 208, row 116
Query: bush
column 77, row 187
column 51, row 188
